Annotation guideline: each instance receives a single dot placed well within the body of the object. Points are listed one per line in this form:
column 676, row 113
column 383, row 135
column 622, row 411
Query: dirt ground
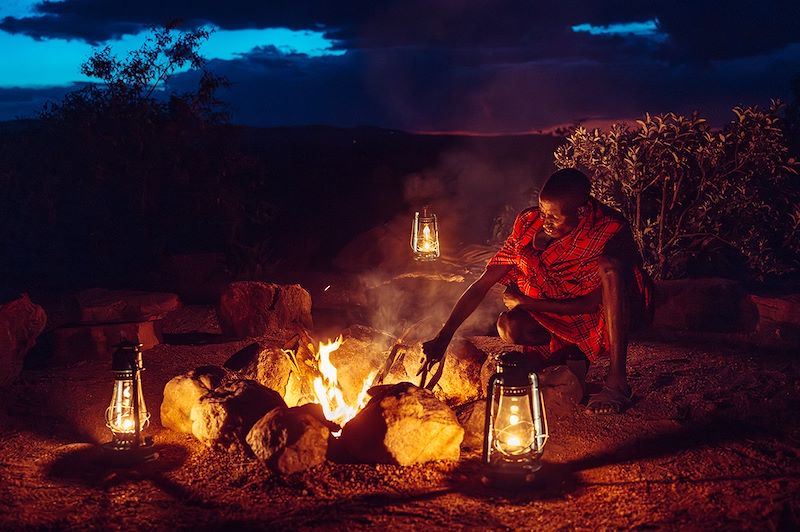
column 712, row 442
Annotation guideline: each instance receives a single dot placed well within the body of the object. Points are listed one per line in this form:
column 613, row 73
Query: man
column 574, row 282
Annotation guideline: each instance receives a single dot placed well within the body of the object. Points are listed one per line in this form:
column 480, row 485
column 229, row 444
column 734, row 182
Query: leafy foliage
column 692, row 193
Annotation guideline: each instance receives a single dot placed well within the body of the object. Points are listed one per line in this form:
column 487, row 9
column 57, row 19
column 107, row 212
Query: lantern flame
column 328, row 392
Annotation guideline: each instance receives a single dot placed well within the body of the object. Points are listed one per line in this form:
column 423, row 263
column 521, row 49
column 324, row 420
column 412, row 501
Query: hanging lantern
column 516, row 425
column 127, row 415
column 425, row 235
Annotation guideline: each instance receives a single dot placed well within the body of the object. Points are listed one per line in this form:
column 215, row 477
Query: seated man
column 574, row 282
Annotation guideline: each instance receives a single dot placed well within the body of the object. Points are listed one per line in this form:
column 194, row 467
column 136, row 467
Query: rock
column 251, row 308
column 224, row 416
column 403, row 425
column 289, row 440
column 270, row 367
column 384, row 247
column 21, row 321
column 101, row 306
column 96, row 342
column 472, row 417
column 560, row 388
column 197, row 277
column 461, row 377
column 778, row 322
column 717, row 305
column 183, row 392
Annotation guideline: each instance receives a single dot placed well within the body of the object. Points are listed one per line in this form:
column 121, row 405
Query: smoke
column 476, row 188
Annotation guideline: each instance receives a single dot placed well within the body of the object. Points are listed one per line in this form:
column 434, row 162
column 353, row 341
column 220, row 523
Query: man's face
column 558, row 220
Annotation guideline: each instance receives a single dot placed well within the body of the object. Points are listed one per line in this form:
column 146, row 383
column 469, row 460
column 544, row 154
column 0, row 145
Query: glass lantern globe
column 516, row 425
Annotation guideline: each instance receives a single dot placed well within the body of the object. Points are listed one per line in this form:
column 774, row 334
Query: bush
column 692, row 193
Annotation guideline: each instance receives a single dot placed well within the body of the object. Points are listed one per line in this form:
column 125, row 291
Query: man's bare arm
column 435, row 348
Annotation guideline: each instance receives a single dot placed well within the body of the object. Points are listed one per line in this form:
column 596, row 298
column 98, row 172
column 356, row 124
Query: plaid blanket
column 568, row 268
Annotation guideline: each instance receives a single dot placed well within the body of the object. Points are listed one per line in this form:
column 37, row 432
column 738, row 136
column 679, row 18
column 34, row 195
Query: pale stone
column 99, row 306
column 252, row 308
column 224, row 416
column 269, row 366
column 403, row 425
column 460, row 378
column 183, row 392
column 289, row 439
column 21, row 321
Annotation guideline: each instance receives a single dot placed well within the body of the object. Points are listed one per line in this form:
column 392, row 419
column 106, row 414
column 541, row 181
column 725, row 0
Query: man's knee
column 504, row 327
column 517, row 327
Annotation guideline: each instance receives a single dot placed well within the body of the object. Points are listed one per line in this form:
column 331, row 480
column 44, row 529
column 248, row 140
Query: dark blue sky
column 431, row 65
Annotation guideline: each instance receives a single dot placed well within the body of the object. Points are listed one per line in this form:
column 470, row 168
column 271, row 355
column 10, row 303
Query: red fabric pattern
column 565, row 269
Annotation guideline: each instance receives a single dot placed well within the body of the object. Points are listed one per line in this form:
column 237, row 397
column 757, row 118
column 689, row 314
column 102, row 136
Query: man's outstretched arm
column 435, row 348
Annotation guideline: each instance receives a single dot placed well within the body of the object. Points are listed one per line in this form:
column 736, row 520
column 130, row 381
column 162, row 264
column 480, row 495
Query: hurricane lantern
column 425, row 235
column 516, row 424
column 127, row 414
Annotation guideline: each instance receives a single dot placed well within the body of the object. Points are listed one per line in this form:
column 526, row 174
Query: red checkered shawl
column 565, row 269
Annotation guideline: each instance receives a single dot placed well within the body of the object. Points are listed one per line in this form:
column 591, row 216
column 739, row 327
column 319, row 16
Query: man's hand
column 434, row 351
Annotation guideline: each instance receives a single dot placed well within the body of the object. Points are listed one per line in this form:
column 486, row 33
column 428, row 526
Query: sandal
column 608, row 401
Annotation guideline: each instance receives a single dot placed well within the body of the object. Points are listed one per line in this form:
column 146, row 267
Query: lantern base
column 510, row 476
column 112, row 453
column 425, row 257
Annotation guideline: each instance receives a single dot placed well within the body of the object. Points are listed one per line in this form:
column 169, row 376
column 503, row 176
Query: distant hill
column 301, row 194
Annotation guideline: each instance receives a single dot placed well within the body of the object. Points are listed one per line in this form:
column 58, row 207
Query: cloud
column 490, row 66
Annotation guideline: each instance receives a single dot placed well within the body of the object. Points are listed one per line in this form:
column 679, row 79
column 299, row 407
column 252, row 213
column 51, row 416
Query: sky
column 472, row 66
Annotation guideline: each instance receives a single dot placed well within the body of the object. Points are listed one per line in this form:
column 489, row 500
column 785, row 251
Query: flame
column 329, row 393
column 426, row 243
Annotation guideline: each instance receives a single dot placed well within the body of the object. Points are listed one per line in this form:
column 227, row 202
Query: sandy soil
column 712, row 441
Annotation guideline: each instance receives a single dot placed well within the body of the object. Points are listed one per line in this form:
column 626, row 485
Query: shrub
column 691, row 192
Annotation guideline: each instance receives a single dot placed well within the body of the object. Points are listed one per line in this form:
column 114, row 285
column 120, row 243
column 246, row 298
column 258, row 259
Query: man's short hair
column 568, row 185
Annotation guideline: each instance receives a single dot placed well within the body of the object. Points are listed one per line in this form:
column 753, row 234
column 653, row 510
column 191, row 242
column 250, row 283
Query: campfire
column 329, row 393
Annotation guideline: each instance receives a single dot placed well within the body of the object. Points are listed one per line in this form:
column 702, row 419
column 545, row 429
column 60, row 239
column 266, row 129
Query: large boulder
column 21, row 321
column 271, row 366
column 96, row 342
column 224, row 416
column 403, row 424
column 711, row 304
column 197, row 277
column 252, row 308
column 778, row 322
column 289, row 439
column 460, row 379
column 98, row 305
column 183, row 392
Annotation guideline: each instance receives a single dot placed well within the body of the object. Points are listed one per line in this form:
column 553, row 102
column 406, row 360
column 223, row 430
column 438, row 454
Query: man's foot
column 609, row 401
